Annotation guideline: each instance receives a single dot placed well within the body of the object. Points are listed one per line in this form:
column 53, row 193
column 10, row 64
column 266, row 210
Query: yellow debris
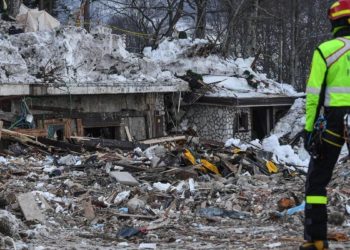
column 271, row 167
column 209, row 166
column 189, row 156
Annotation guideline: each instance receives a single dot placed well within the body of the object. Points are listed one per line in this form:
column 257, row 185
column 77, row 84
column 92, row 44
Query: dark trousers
column 319, row 175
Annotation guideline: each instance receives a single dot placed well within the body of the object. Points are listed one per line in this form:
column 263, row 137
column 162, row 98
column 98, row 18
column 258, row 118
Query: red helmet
column 339, row 9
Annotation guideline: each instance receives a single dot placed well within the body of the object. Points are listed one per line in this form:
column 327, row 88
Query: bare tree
column 201, row 18
column 13, row 7
column 156, row 19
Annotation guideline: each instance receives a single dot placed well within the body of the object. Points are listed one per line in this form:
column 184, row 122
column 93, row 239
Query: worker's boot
column 315, row 245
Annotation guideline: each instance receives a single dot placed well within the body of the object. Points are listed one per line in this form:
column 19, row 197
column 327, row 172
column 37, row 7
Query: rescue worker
column 328, row 92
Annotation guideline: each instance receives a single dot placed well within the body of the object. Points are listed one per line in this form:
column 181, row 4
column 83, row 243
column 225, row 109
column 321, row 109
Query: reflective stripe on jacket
column 333, row 55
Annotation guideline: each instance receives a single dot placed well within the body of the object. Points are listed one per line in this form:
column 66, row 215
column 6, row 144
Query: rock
column 162, row 186
column 68, row 160
column 124, row 178
column 7, row 243
column 135, row 204
column 9, row 224
column 121, row 197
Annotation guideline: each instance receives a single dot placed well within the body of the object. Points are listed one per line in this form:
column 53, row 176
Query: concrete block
column 124, row 178
column 30, row 208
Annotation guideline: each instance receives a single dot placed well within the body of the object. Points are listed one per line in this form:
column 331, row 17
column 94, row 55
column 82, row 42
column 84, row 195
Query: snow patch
column 293, row 122
column 284, row 153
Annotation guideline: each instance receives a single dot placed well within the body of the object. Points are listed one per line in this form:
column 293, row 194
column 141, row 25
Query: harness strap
column 333, row 138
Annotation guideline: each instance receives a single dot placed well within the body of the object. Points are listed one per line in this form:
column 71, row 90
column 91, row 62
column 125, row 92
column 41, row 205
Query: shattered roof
column 229, row 78
column 239, row 92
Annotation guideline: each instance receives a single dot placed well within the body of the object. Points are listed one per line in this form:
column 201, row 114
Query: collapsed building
column 181, row 193
column 75, row 83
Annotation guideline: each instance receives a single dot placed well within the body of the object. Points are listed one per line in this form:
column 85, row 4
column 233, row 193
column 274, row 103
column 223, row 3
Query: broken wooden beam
column 37, row 132
column 164, row 139
column 22, row 138
column 1, row 125
column 61, row 145
column 128, row 134
column 136, row 216
column 90, row 142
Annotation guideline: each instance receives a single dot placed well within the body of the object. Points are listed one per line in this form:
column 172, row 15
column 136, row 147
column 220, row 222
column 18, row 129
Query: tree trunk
column 87, row 15
column 253, row 47
column 294, row 53
column 232, row 16
column 41, row 5
column 13, row 7
column 174, row 17
column 201, row 19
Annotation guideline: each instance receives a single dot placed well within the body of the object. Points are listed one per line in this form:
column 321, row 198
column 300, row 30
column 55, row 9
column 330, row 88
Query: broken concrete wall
column 217, row 122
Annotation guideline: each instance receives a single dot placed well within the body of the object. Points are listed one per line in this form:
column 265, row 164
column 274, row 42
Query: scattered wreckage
column 165, row 193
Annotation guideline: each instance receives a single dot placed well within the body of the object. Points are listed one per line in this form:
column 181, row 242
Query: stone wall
column 218, row 122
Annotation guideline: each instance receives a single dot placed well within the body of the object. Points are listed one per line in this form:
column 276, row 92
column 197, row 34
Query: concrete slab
column 90, row 89
column 124, row 178
column 30, row 208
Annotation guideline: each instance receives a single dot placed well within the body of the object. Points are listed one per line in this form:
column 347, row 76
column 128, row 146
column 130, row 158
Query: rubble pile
column 181, row 55
column 70, row 55
column 180, row 193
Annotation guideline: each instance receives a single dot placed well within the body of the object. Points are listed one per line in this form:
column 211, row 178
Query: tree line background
column 280, row 34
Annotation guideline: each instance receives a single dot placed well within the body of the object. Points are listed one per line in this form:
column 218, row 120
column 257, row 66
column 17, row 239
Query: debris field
column 169, row 193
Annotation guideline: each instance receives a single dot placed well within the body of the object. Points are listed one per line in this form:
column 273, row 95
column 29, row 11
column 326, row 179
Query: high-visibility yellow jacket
column 330, row 63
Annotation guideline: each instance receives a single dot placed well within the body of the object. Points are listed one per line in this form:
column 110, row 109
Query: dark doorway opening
column 102, row 132
column 262, row 122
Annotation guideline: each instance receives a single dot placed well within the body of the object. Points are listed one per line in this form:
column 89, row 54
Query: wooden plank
column 22, row 138
column 137, row 216
column 127, row 131
column 80, row 128
column 165, row 139
column 38, row 132
column 30, row 208
column 67, row 128
column 1, row 125
column 17, row 134
column 61, row 144
column 90, row 142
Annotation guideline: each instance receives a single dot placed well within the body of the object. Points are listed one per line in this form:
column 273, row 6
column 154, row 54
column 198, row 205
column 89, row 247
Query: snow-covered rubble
column 180, row 55
column 72, row 55
column 289, row 125
column 285, row 153
column 292, row 123
column 12, row 66
column 228, row 75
